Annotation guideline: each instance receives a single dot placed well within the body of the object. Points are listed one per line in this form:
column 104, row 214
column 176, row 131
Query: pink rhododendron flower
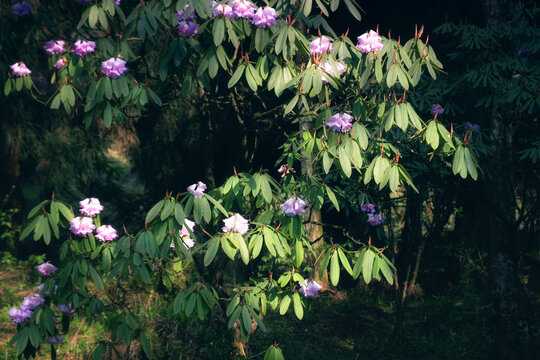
column 54, row 47
column 310, row 289
column 90, row 207
column 32, row 302
column 222, row 9
column 369, row 42
column 46, row 269
column 184, row 231
column 330, row 69
column 243, row 9
column 264, row 17
column 285, row 169
column 197, row 189
column 20, row 69
column 60, row 63
column 375, row 219
column 19, row 315
column 294, row 206
column 340, row 122
column 114, row 67
column 82, row 226
column 83, row 47
column 237, row 224
column 106, row 233
column 321, row 45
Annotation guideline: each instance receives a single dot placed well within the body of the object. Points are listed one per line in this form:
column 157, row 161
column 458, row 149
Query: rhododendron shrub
column 356, row 126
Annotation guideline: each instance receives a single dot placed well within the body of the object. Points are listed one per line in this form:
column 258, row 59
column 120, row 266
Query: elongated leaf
column 213, row 246
column 298, row 308
column 334, row 269
column 285, row 302
column 367, row 265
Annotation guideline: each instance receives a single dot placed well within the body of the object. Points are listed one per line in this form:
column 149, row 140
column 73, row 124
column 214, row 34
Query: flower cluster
column 60, row 63
column 46, row 269
column 369, row 42
column 197, row 189
column 184, row 234
column 340, row 122
column 310, row 289
column 21, row 9
column 236, row 223
column 114, row 67
column 187, row 26
column 321, row 45
column 222, row 9
column 243, row 9
column 55, row 47
column 373, row 219
column 436, row 109
column 83, row 47
column 84, row 225
column 20, row 69
column 264, row 17
column 285, row 169
column 331, row 69
column 294, row 207
column 30, row 303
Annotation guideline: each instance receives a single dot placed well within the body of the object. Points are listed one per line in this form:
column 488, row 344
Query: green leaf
column 218, row 31
column 236, row 76
column 344, row 162
column 22, row 340
column 327, row 162
column 353, row 10
column 167, row 209
column 332, row 198
column 213, row 246
column 96, row 278
column 246, row 319
column 7, row 87
column 344, row 261
column 191, row 304
column 367, row 265
column 284, row 306
column 107, row 115
column 154, row 211
column 216, row 204
column 386, row 271
column 334, row 268
column 265, row 189
column 299, row 253
column 298, row 308
column 244, row 252
column 234, row 317
column 93, row 16
column 145, row 344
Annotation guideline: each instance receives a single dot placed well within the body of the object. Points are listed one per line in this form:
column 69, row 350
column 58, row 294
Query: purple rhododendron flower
column 180, row 14
column 46, row 269
column 294, row 206
column 90, row 207
column 82, row 226
column 340, row 122
column 472, row 126
column 21, row 9
column 310, row 289
column 368, row 208
column 264, row 17
column 375, row 219
column 330, row 69
column 54, row 47
column 67, row 310
column 237, row 224
column 118, row 2
column 187, row 28
column 32, row 302
column 83, row 47
column 114, row 67
column 55, row 339
column 321, row 45
column 19, row 315
column 106, row 233
column 369, row 42
column 436, row 109
column 243, row 9
column 60, row 63
column 20, row 69
column 39, row 289
column 197, row 189
column 222, row 10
